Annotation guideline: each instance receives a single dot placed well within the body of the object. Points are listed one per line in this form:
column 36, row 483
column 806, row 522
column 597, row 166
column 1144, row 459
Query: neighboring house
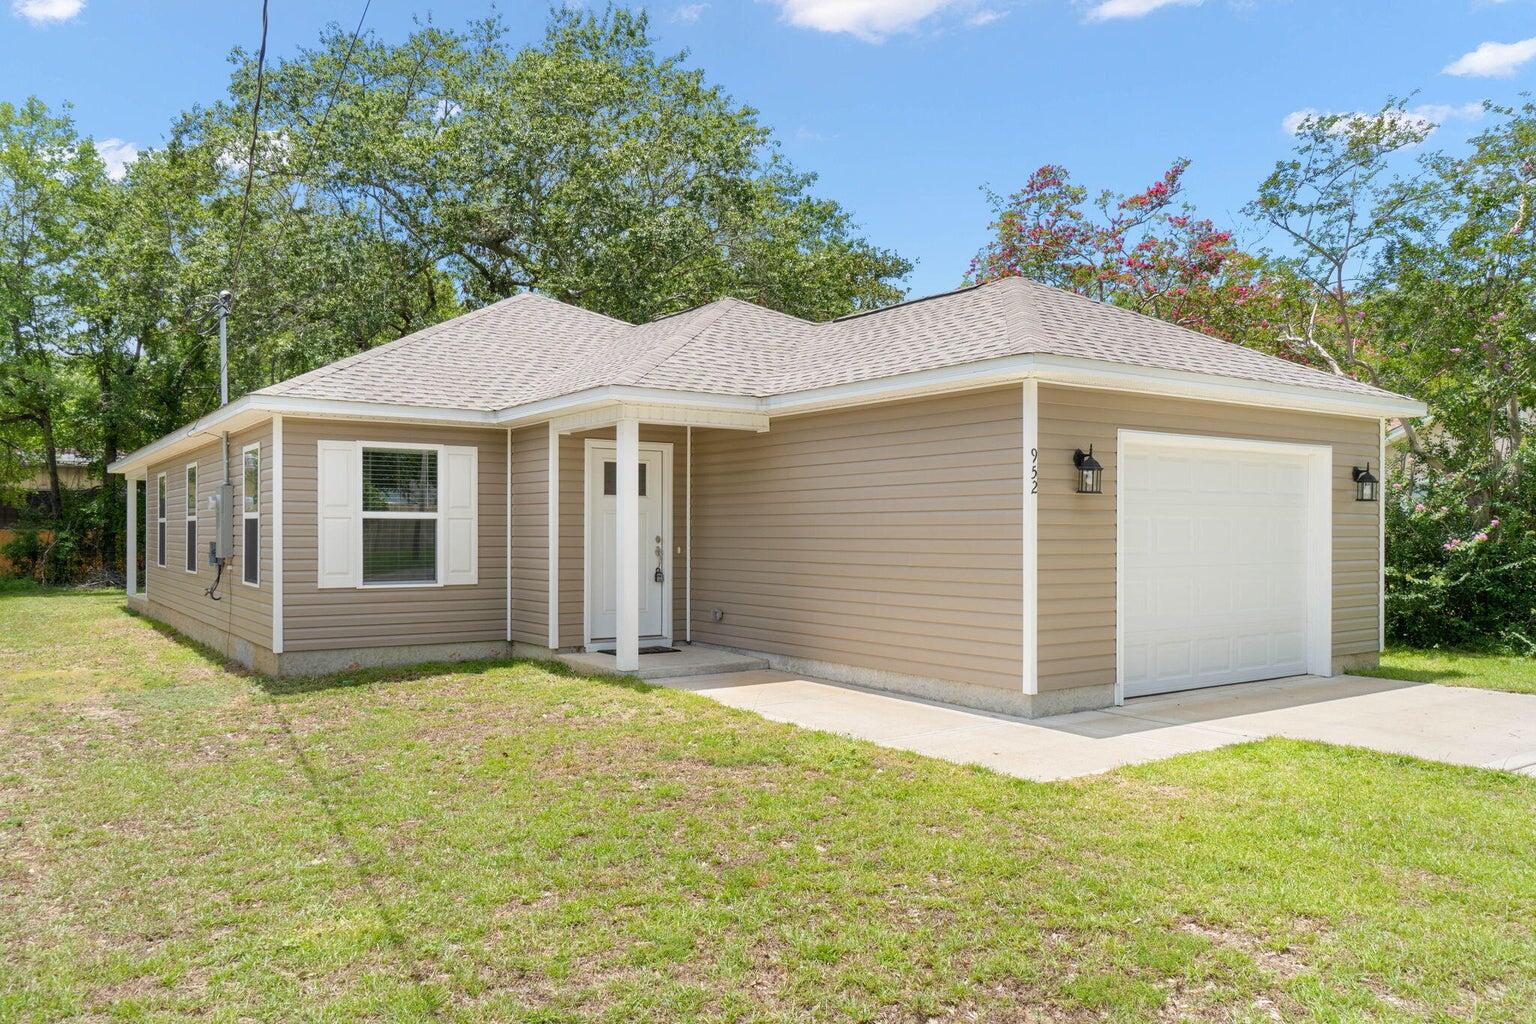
column 891, row 499
column 31, row 493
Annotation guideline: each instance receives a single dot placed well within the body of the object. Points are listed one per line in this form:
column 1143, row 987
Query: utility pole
column 224, row 302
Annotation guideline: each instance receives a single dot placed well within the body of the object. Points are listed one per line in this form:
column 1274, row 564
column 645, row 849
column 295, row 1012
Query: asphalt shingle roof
column 529, row 348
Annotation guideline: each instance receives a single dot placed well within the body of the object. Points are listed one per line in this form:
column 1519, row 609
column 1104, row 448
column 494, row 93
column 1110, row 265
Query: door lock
column 660, row 576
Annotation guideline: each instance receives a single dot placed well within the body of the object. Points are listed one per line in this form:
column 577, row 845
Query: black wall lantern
column 1365, row 484
column 1090, row 475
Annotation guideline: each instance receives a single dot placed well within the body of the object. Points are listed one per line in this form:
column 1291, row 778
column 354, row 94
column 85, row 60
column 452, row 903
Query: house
column 904, row 499
column 29, row 495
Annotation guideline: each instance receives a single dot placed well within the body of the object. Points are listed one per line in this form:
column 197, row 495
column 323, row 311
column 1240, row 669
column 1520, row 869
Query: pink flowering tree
column 1146, row 251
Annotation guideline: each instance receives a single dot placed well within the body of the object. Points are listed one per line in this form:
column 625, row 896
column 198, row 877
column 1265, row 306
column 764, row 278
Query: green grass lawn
column 505, row 842
column 1459, row 668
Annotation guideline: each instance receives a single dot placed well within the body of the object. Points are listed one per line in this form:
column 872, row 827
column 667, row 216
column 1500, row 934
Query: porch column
column 626, row 547
column 131, row 552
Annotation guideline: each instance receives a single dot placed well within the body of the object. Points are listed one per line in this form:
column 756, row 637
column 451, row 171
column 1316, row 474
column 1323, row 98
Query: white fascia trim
column 608, row 395
column 1066, row 370
column 253, row 408
column 1096, row 374
column 1006, row 370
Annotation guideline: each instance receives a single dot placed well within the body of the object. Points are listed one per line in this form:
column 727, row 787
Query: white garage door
column 1214, row 572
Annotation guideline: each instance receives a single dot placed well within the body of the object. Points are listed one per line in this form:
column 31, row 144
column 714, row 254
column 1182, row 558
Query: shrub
column 47, row 556
column 1459, row 575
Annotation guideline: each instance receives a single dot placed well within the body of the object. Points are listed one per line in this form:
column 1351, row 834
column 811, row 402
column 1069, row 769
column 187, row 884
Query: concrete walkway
column 1443, row 723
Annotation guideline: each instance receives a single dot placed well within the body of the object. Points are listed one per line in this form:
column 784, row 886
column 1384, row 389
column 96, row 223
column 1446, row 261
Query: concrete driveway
column 1443, row 723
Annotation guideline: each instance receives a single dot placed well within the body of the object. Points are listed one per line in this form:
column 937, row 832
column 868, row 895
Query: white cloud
column 117, row 155
column 1110, row 10
column 1493, row 60
column 42, row 12
column 985, row 16
column 869, row 20
column 689, row 13
column 1428, row 116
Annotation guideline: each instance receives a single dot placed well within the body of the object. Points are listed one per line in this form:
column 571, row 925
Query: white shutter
column 459, row 518
column 340, row 494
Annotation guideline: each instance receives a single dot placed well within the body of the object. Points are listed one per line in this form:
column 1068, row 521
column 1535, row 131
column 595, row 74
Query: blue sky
column 903, row 107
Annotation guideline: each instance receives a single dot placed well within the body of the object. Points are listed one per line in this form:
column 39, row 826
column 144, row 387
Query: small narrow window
column 611, row 478
column 192, row 518
column 160, row 520
column 250, row 539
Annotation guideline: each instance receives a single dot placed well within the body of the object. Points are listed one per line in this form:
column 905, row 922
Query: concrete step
column 688, row 661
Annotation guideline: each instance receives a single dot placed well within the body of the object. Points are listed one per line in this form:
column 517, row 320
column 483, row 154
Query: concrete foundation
column 317, row 663
column 237, row 649
column 696, row 660
column 1351, row 662
column 982, row 698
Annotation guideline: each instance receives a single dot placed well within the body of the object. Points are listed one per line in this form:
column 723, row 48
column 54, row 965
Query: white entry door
column 1215, row 565
column 655, row 538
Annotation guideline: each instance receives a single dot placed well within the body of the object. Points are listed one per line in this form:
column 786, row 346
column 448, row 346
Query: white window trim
column 436, row 515
column 190, row 487
column 246, row 514
column 160, row 526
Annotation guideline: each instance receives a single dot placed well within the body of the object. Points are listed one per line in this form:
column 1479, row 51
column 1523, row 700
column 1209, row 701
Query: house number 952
column 1034, row 471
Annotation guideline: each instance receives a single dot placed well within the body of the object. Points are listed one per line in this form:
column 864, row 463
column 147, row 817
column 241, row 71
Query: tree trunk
column 109, row 520
column 55, row 490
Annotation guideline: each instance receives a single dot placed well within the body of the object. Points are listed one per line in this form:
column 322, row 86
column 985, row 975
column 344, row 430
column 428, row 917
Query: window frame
column 436, row 515
column 250, row 568
column 160, row 521
column 189, row 482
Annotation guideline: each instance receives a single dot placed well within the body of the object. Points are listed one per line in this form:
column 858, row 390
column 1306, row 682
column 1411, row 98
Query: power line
column 346, row 63
column 250, row 162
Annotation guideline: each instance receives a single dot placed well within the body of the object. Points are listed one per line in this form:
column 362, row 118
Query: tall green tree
column 589, row 167
column 52, row 188
column 1457, row 294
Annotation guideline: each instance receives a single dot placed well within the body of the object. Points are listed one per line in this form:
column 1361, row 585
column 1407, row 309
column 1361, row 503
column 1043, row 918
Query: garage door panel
column 1214, row 566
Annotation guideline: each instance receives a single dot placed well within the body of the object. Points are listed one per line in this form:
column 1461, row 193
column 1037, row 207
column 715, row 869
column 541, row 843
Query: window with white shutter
column 460, row 491
column 338, row 492
column 398, row 515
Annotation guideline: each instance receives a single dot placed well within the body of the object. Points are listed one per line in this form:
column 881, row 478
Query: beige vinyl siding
column 530, row 535
column 243, row 611
column 885, row 537
column 1077, row 531
column 573, row 526
column 315, row 619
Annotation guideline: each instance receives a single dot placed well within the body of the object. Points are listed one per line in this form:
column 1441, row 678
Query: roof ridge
column 1016, row 312
column 653, row 358
column 910, row 302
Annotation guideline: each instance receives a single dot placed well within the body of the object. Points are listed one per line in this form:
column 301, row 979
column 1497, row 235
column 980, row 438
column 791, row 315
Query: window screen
column 250, row 550
column 191, row 503
column 252, row 482
column 400, row 506
column 399, row 481
column 250, row 500
column 399, row 550
column 160, row 520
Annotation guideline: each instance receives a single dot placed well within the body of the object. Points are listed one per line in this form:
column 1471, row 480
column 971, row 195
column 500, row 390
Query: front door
column 655, row 538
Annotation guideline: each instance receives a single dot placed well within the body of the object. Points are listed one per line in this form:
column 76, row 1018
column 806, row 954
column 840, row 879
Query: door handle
column 660, row 577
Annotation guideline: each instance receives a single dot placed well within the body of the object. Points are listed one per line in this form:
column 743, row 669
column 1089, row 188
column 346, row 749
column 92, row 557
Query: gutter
column 1063, row 370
